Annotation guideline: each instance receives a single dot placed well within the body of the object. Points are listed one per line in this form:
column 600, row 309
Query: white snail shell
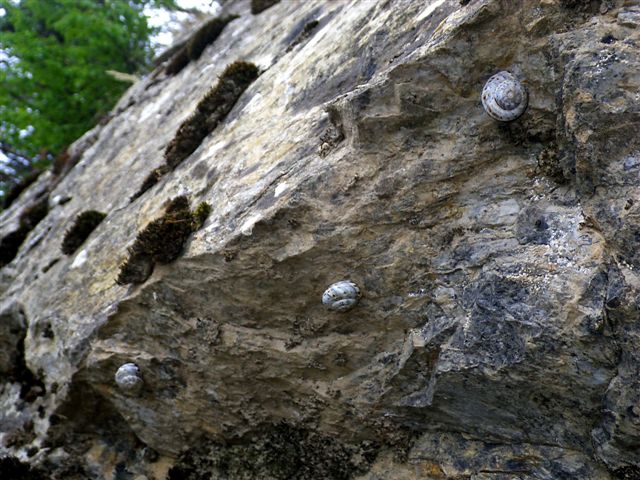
column 504, row 98
column 341, row 296
column 128, row 377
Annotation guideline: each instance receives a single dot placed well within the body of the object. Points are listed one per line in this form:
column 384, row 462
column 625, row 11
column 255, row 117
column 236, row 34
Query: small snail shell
column 128, row 377
column 504, row 98
column 341, row 296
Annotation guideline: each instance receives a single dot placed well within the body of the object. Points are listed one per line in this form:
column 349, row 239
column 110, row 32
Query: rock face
column 497, row 333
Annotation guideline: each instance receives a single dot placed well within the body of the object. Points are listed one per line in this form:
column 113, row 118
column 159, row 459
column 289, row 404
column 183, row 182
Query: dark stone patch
column 608, row 39
column 13, row 469
column 13, row 366
column 532, row 228
column 279, row 452
column 630, row 472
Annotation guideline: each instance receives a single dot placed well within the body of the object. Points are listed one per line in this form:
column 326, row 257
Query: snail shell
column 504, row 98
column 341, row 296
column 128, row 377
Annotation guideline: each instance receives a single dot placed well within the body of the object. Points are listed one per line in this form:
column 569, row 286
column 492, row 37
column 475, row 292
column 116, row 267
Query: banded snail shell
column 504, row 98
column 341, row 296
column 128, row 377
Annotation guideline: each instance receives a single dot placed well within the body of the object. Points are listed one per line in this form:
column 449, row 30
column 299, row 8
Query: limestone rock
column 497, row 335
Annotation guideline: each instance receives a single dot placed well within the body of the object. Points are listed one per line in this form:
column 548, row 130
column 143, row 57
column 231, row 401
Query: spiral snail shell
column 128, row 377
column 504, row 98
column 341, row 296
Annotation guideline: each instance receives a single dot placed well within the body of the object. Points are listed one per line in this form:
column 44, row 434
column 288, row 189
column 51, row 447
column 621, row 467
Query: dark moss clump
column 177, row 62
column 258, row 6
column 13, row 469
column 60, row 162
column 136, row 269
column 164, row 238
column 19, row 187
column 82, row 227
column 284, row 452
column 308, row 28
column 32, row 215
column 206, row 35
column 161, row 241
column 153, row 178
column 211, row 110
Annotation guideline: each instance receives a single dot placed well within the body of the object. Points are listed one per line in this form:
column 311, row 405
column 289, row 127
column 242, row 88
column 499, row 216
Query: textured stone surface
column 497, row 336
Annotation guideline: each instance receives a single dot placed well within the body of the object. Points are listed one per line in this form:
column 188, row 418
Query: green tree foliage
column 54, row 55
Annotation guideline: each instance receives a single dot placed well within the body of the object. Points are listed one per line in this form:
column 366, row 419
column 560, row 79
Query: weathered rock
column 497, row 336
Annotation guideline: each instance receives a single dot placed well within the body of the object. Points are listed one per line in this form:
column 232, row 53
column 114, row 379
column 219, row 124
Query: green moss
column 30, row 217
column 211, row 110
column 20, row 187
column 258, row 6
column 206, row 35
column 161, row 241
column 177, row 62
column 153, row 178
column 82, row 227
column 200, row 215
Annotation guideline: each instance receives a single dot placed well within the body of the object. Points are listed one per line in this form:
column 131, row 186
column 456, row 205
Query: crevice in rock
column 85, row 223
column 19, row 187
column 30, row 217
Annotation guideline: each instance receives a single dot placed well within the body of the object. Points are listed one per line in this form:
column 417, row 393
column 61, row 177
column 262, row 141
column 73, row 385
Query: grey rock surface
column 497, row 336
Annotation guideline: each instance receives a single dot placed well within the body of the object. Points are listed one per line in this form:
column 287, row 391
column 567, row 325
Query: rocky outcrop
column 497, row 332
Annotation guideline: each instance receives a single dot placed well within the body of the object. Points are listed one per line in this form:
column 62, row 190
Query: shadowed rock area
column 497, row 333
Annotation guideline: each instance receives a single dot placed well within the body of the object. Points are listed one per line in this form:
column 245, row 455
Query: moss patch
column 283, row 452
column 161, row 241
column 31, row 216
column 19, row 187
column 177, row 62
column 206, row 35
column 211, row 110
column 164, row 238
column 153, row 178
column 200, row 215
column 306, row 32
column 258, row 6
column 82, row 227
